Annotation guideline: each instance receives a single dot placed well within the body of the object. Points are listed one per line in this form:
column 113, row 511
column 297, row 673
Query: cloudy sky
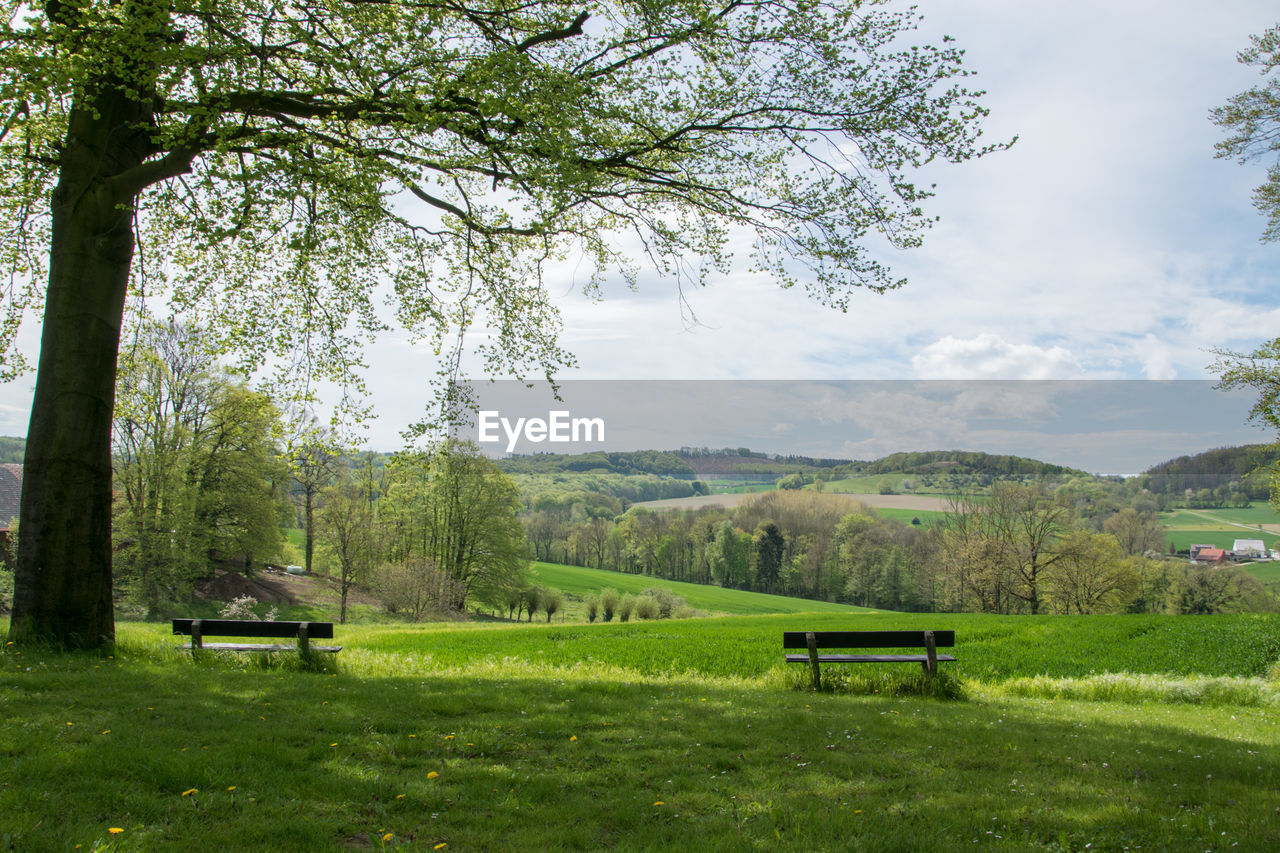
column 1108, row 243
column 1103, row 426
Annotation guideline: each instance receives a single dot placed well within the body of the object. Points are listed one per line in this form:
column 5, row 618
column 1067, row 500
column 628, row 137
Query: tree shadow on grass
column 263, row 759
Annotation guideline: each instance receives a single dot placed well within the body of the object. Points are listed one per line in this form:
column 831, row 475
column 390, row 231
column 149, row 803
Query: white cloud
column 989, row 356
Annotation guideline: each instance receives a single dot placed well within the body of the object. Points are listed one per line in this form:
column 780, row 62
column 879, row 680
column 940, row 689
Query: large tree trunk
column 62, row 589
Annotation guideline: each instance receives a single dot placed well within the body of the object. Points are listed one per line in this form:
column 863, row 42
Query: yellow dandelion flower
column 433, row 774
column 114, row 830
column 333, row 744
column 575, row 737
column 107, row 732
column 190, row 791
column 231, row 787
column 399, row 796
column 388, row 836
column 441, row 845
column 659, row 803
column 448, row 737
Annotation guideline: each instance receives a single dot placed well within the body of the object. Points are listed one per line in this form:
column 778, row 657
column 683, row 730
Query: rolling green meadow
column 578, row 581
column 1219, row 527
column 1060, row 733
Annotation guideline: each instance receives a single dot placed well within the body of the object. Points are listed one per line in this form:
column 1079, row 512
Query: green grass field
column 578, row 581
column 658, row 736
column 1218, row 527
column 928, row 518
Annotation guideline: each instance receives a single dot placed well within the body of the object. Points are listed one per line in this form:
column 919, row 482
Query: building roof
column 10, row 492
column 1212, row 555
column 1249, row 545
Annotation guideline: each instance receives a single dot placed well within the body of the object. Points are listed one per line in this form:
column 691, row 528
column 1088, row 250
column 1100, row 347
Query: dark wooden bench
column 811, row 641
column 301, row 632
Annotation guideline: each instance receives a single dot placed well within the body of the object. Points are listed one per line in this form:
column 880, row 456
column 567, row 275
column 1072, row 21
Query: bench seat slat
column 867, row 658
column 260, row 647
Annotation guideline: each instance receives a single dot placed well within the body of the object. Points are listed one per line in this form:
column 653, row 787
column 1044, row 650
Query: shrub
column 646, row 607
column 625, row 607
column 668, row 601
column 552, row 601
column 533, row 600
column 608, row 603
column 415, row 588
column 242, row 607
column 592, row 605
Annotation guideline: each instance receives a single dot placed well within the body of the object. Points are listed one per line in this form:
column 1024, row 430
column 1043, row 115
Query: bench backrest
column 866, row 639
column 252, row 628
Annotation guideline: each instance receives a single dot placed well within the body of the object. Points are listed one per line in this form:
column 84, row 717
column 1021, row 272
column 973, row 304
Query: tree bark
column 63, row 583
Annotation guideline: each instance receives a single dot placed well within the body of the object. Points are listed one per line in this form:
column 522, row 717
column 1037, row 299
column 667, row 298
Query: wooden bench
column 811, row 641
column 301, row 632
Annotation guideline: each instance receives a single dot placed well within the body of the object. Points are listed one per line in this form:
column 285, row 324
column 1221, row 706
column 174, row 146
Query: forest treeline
column 1019, row 548
column 204, row 481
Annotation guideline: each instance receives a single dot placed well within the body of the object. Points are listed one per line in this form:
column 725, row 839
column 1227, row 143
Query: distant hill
column 1246, row 465
column 962, row 462
column 745, row 464
column 657, row 462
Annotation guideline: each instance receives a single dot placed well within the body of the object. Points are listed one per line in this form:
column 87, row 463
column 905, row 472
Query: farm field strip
column 911, row 502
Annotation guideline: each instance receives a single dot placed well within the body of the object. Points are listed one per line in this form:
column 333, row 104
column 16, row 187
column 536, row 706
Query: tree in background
column 1000, row 550
column 1092, row 575
column 349, row 530
column 455, row 509
column 767, row 547
column 1136, row 532
column 552, row 601
column 414, row 589
column 265, row 152
column 196, row 465
column 728, row 555
column 1219, row 589
column 1027, row 525
column 315, row 460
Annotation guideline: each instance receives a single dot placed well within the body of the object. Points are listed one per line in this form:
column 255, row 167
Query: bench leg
column 931, row 653
column 813, row 660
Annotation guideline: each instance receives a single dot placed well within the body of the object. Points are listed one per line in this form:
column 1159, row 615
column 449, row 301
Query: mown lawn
column 657, row 736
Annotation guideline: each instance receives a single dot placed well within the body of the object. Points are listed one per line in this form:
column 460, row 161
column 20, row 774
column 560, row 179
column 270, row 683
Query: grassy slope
column 497, row 749
column 579, row 581
column 991, row 649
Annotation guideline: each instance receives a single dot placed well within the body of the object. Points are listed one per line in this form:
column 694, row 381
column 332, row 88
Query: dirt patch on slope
column 225, row 586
